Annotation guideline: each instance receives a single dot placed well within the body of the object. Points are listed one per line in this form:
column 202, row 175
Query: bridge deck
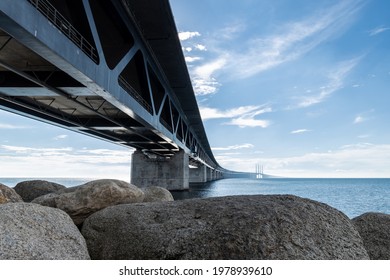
column 111, row 69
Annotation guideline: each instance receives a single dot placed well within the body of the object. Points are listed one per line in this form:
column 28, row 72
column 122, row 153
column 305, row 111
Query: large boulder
column 31, row 232
column 29, row 190
column 8, row 195
column 241, row 227
column 81, row 201
column 153, row 194
column 374, row 228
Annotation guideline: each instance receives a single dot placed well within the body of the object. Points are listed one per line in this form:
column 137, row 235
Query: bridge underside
column 110, row 69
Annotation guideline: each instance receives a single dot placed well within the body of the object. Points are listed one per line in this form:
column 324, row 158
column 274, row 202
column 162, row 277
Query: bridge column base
column 172, row 174
column 198, row 175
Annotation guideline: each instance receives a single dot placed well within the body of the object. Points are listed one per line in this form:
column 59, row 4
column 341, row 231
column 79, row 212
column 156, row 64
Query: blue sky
column 301, row 87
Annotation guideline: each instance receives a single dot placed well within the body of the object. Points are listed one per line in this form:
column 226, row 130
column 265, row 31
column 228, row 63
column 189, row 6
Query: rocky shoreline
column 112, row 219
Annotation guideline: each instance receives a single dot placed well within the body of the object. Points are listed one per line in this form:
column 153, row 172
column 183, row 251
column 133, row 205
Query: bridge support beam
column 172, row 174
column 198, row 175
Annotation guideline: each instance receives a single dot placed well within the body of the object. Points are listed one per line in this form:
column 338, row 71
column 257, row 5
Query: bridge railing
column 59, row 21
column 130, row 90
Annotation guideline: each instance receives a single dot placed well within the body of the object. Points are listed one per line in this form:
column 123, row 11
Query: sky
column 301, row 87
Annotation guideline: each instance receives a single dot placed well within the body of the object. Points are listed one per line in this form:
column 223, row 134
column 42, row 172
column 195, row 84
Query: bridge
column 113, row 70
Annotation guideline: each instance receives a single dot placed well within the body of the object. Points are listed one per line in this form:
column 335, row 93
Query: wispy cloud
column 11, row 126
column 359, row 119
column 365, row 159
column 292, row 41
column 203, row 78
column 60, row 137
column 378, row 30
column 234, row 147
column 36, row 151
column 335, row 82
column 299, row 131
column 213, row 113
column 24, row 161
column 231, row 31
column 288, row 42
column 249, row 120
column 363, row 117
column 243, row 116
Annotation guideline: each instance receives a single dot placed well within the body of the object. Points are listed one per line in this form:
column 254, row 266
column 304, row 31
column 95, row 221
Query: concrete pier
column 198, row 175
column 172, row 173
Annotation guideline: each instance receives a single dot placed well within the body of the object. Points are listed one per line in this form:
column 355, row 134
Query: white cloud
column 183, row 36
column 190, row 59
column 378, row 30
column 335, row 82
column 348, row 161
column 299, row 131
column 289, row 42
column 363, row 136
column 213, row 113
column 205, row 86
column 234, row 147
column 359, row 119
column 11, row 126
column 21, row 161
column 243, row 116
column 362, row 117
column 203, row 79
column 200, row 47
column 231, row 31
column 60, row 137
column 249, row 122
column 35, row 151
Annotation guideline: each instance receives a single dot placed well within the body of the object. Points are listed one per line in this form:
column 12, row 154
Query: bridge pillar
column 172, row 174
column 198, row 175
column 210, row 174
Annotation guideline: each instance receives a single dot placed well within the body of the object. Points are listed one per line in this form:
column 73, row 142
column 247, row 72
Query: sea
column 351, row 196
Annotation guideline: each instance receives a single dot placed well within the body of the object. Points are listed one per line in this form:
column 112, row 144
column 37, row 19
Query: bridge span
column 114, row 70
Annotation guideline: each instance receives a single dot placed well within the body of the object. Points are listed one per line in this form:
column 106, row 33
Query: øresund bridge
column 114, row 70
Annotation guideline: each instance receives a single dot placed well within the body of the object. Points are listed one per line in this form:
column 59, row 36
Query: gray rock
column 8, row 195
column 240, row 227
column 33, row 232
column 81, row 201
column 29, row 190
column 154, row 194
column 374, row 228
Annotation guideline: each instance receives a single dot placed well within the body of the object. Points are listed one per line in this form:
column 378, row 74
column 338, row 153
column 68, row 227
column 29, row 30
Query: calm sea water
column 351, row 196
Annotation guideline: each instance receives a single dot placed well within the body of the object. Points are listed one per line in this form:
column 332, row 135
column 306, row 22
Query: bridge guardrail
column 130, row 90
column 59, row 21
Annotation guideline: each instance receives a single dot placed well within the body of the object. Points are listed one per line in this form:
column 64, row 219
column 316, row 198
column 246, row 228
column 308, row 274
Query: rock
column 8, row 195
column 81, row 201
column 240, row 227
column 374, row 228
column 29, row 190
column 33, row 232
column 153, row 194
